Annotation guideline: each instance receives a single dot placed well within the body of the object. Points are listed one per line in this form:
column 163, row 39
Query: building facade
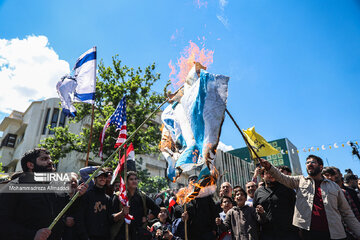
column 288, row 155
column 23, row 131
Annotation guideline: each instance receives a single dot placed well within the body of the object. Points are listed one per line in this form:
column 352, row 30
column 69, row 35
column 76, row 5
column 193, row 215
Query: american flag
column 118, row 118
column 124, row 200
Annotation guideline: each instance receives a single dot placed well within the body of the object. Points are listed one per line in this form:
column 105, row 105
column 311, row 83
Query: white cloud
column 223, row 147
column 223, row 19
column 29, row 70
column 222, row 4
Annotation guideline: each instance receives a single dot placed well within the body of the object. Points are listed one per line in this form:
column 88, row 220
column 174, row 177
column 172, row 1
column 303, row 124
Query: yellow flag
column 259, row 144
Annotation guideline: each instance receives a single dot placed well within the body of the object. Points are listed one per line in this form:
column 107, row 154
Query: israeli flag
column 81, row 86
column 204, row 105
column 66, row 88
column 85, row 75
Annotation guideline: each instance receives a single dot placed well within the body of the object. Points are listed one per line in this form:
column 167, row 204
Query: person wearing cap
column 95, row 214
column 320, row 204
column 28, row 215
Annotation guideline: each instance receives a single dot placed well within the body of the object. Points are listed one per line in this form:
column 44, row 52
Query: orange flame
column 181, row 195
column 205, row 187
column 189, row 55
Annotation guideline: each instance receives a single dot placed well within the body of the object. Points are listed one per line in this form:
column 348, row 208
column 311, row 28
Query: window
column 9, row 140
column 54, row 119
column 62, row 119
column 46, row 121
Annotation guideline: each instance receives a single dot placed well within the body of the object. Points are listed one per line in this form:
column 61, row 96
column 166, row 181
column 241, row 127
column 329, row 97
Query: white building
column 23, row 131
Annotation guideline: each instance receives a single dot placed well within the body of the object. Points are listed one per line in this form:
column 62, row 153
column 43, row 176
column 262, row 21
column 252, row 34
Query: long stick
column 108, row 161
column 242, row 134
column 186, row 236
column 125, row 179
column 92, row 121
column 91, row 132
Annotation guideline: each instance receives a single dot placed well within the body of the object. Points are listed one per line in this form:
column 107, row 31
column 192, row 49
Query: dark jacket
column 202, row 213
column 23, row 214
column 243, row 223
column 95, row 215
column 278, row 202
column 353, row 195
column 137, row 202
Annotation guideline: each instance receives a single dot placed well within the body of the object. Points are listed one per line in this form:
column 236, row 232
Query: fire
column 204, row 187
column 181, row 196
column 189, row 55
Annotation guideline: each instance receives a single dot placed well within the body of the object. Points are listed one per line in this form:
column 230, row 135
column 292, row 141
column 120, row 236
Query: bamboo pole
column 92, row 121
column 91, row 132
column 108, row 160
column 186, row 235
column 242, row 134
column 125, row 180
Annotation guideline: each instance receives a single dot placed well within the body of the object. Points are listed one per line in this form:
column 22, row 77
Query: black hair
column 131, row 173
column 318, row 159
column 241, row 190
column 328, row 170
column 237, row 186
column 285, row 168
column 31, row 156
column 226, row 197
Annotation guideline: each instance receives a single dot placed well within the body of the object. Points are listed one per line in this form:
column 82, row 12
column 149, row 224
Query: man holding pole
column 28, row 215
column 139, row 206
column 320, row 203
column 95, row 215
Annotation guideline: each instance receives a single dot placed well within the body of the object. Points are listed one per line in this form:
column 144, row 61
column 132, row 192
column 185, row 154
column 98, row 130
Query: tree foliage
column 112, row 84
column 153, row 184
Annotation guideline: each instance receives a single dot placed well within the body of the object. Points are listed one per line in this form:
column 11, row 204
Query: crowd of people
column 273, row 206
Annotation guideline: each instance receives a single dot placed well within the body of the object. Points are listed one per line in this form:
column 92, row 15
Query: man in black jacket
column 201, row 214
column 278, row 202
column 140, row 204
column 28, row 215
column 95, row 215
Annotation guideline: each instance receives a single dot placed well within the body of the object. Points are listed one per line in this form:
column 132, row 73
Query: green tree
column 112, row 84
column 154, row 184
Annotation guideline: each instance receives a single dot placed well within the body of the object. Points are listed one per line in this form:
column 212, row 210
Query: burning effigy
column 192, row 127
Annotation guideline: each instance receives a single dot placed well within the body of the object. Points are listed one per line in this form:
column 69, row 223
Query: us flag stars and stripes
column 118, row 118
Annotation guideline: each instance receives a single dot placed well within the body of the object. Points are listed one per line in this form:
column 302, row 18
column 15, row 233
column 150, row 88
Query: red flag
column 124, row 200
column 130, row 156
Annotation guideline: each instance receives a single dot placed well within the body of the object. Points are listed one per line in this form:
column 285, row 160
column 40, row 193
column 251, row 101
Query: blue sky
column 294, row 65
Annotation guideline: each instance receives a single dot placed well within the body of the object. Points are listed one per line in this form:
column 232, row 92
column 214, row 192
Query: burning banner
column 193, row 125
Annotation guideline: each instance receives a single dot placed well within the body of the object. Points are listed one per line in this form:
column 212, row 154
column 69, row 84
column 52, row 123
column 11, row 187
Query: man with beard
column 28, row 215
column 320, row 203
column 278, row 202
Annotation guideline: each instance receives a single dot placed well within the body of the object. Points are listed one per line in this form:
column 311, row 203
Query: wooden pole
column 108, row 160
column 92, row 121
column 91, row 132
column 125, row 180
column 242, row 134
column 186, row 234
